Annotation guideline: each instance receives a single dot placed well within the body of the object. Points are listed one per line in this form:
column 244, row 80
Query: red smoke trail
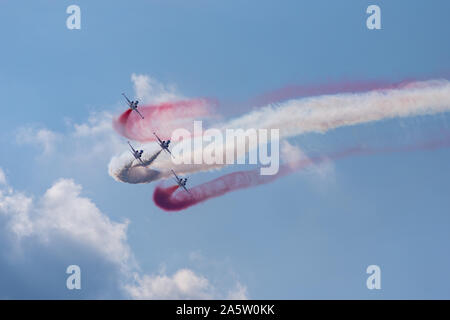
column 169, row 200
column 120, row 123
column 162, row 118
column 162, row 197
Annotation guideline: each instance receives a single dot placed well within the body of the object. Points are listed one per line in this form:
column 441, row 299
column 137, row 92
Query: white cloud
column 149, row 90
column 44, row 138
column 63, row 214
column 98, row 123
column 82, row 143
column 94, row 139
column 184, row 284
column 292, row 155
column 2, row 177
column 63, row 211
column 238, row 293
column 16, row 207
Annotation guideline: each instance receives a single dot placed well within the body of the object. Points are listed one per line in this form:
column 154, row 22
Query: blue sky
column 303, row 236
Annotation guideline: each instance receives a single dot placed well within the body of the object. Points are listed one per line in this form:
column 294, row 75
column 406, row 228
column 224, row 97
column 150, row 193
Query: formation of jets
column 164, row 144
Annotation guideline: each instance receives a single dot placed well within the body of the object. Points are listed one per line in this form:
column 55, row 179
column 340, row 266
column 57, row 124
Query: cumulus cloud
column 98, row 123
column 81, row 143
column 2, row 177
column 41, row 236
column 43, row 138
column 15, row 206
column 293, row 155
column 184, row 284
column 238, row 293
column 63, row 211
column 64, row 227
column 148, row 90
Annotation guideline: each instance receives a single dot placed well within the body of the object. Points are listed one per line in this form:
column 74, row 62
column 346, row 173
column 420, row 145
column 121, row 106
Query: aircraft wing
column 167, row 149
column 187, row 190
column 159, row 140
column 131, row 147
column 178, row 179
column 137, row 111
column 128, row 100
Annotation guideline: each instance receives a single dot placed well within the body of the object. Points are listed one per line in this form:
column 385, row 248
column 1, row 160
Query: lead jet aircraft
column 137, row 154
column 163, row 144
column 133, row 105
column 181, row 182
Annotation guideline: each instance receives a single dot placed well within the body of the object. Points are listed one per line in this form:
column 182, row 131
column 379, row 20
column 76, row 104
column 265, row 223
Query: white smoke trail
column 127, row 169
column 324, row 113
column 327, row 112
